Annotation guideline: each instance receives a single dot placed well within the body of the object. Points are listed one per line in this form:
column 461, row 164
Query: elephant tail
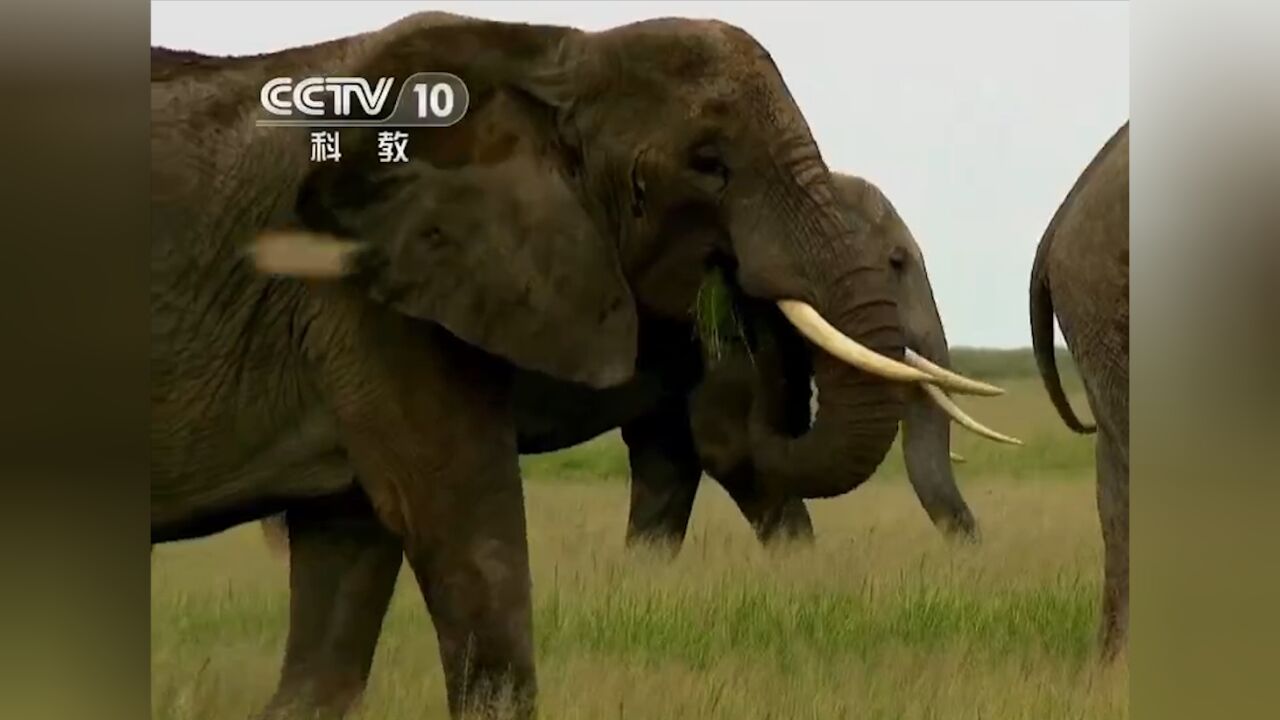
column 276, row 533
column 1042, row 333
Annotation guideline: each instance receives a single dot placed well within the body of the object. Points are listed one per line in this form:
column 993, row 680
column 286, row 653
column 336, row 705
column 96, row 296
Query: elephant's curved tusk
column 821, row 333
column 957, row 458
column 949, row 379
column 950, row 408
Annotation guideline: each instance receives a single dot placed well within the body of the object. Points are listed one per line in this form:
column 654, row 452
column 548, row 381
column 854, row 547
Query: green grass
column 601, row 459
column 880, row 619
column 700, row 627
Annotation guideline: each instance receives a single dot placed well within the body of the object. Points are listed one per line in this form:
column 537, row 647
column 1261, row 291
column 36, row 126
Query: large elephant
column 335, row 340
column 653, row 409
column 1081, row 274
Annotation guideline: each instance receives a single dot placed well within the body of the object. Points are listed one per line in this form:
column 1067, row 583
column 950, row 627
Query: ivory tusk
column 821, row 333
column 949, row 379
column 957, row 458
column 303, row 254
column 949, row 407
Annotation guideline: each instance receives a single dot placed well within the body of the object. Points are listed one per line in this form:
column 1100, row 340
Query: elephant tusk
column 948, row 379
column 303, row 254
column 824, row 335
column 950, row 408
column 957, row 458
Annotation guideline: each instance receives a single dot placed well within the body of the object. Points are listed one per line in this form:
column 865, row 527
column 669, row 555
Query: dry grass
column 882, row 619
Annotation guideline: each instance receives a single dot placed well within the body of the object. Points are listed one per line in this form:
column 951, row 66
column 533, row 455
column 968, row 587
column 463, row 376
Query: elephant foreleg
column 476, row 582
column 342, row 571
column 664, row 477
column 428, row 426
column 774, row 521
column 1113, row 513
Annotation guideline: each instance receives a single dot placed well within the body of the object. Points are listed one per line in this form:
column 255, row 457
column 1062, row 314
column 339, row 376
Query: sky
column 974, row 118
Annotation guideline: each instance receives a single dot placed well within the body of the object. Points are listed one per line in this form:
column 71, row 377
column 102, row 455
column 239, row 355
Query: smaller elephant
column 746, row 376
column 1081, row 274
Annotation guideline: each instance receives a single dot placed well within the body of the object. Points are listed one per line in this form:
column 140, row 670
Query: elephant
column 653, row 410
column 719, row 406
column 1081, row 276
column 336, row 340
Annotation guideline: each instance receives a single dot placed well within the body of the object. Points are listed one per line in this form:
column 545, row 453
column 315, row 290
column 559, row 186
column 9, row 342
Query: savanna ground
column 882, row 619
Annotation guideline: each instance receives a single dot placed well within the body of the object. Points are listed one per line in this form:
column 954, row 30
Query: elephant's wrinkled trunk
column 926, row 443
column 856, row 422
column 795, row 244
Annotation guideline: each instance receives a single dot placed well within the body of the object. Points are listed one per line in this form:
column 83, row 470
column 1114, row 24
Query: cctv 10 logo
column 425, row 99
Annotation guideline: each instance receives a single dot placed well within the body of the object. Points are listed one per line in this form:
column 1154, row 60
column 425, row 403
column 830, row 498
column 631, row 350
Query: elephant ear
column 484, row 229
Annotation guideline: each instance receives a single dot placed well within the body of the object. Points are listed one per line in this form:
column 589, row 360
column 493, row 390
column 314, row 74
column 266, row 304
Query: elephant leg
column 427, row 424
column 342, row 571
column 664, row 477
column 774, row 521
column 475, row 578
column 466, row 544
column 1113, row 512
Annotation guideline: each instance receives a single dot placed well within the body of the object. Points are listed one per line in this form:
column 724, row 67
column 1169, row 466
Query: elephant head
column 597, row 176
column 764, row 375
column 926, row 428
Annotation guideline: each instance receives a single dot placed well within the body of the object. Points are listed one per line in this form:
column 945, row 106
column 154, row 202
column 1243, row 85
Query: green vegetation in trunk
column 716, row 317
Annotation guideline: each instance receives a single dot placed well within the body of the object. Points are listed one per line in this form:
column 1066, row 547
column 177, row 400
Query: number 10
column 439, row 97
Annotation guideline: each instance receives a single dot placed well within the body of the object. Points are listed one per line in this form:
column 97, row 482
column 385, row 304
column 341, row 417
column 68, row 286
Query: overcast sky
column 974, row 118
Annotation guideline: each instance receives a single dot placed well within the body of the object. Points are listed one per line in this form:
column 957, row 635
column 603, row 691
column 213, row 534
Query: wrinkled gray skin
column 591, row 183
column 1081, row 275
column 653, row 411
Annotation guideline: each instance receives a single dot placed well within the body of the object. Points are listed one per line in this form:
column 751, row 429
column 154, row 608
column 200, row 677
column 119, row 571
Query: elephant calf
column 1081, row 272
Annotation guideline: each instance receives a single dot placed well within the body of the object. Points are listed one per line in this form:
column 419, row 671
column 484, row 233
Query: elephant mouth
column 738, row 329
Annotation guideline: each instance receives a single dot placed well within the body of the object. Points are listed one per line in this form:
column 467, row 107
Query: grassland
column 881, row 619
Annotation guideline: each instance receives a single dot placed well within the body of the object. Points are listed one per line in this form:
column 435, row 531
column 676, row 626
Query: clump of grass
column 716, row 317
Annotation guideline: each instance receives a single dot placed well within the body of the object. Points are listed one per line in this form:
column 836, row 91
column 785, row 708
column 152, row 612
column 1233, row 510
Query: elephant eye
column 705, row 159
column 897, row 258
column 637, row 187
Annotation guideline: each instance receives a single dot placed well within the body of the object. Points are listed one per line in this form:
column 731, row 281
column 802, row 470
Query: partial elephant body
column 231, row 349
column 652, row 410
column 1081, row 274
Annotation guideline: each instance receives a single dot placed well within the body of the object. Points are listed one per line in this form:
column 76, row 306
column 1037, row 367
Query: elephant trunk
column 823, row 270
column 855, row 425
column 926, row 443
